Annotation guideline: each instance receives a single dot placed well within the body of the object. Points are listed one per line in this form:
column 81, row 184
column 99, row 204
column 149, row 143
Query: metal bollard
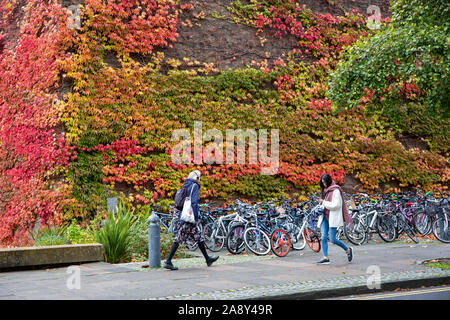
column 154, row 244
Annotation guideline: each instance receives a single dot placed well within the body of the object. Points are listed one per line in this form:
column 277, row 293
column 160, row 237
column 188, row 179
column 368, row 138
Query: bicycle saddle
column 247, row 216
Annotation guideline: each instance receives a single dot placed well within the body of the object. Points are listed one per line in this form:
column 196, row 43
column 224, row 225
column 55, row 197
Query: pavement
column 375, row 267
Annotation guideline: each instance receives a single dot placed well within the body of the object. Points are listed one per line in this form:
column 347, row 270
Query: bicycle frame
column 407, row 215
column 220, row 220
column 307, row 223
column 369, row 216
column 163, row 217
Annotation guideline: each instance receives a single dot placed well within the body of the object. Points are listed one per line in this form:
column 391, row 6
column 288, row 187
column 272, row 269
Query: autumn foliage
column 30, row 149
column 63, row 152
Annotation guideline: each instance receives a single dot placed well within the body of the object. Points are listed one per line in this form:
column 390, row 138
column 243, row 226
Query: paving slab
column 295, row 276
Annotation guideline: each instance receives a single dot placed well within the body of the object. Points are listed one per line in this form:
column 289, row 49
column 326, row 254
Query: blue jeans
column 324, row 229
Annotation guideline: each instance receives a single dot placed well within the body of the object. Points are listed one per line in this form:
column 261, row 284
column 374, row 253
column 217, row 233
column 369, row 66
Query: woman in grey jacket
column 334, row 215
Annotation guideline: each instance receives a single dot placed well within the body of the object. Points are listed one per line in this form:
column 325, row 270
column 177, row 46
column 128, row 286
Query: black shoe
column 350, row 255
column 169, row 265
column 324, row 261
column 211, row 260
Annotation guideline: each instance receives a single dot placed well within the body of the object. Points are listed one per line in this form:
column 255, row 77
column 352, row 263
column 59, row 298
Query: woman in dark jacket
column 189, row 232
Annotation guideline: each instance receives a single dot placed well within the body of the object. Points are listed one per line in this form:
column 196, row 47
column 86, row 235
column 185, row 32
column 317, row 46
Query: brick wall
column 229, row 45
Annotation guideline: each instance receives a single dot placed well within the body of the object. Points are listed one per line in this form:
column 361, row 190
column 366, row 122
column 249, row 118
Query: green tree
column 406, row 62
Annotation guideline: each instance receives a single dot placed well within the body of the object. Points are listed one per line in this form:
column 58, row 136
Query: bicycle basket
column 432, row 207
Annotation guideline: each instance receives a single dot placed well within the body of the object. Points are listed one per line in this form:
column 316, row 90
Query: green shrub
column 50, row 235
column 116, row 234
column 139, row 241
column 166, row 244
column 77, row 235
column 407, row 61
column 50, row 240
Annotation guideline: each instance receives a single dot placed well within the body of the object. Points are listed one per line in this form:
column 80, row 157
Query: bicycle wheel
column 235, row 239
column 340, row 233
column 398, row 225
column 165, row 221
column 192, row 246
column 174, row 225
column 312, row 239
column 386, row 228
column 298, row 241
column 280, row 242
column 422, row 223
column 214, row 236
column 257, row 241
column 441, row 230
column 356, row 231
column 408, row 230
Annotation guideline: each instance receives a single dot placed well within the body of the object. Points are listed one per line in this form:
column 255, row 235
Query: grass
column 438, row 263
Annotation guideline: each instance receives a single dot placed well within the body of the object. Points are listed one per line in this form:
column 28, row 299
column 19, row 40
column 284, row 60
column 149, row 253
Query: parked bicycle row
column 282, row 225
column 414, row 214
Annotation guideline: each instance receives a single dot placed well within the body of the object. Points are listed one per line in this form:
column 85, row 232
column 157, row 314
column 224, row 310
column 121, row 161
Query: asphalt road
column 431, row 293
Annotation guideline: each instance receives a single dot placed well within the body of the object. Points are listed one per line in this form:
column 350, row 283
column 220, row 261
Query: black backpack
column 180, row 196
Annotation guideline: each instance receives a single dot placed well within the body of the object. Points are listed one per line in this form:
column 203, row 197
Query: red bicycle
column 280, row 242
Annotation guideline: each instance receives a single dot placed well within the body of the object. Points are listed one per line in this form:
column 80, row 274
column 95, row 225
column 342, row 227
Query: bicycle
column 404, row 219
column 165, row 219
column 426, row 213
column 440, row 226
column 294, row 217
column 370, row 220
column 261, row 237
column 281, row 225
column 308, row 230
column 171, row 223
column 216, row 232
column 235, row 238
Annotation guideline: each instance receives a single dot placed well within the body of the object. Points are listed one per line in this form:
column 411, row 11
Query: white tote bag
column 187, row 215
